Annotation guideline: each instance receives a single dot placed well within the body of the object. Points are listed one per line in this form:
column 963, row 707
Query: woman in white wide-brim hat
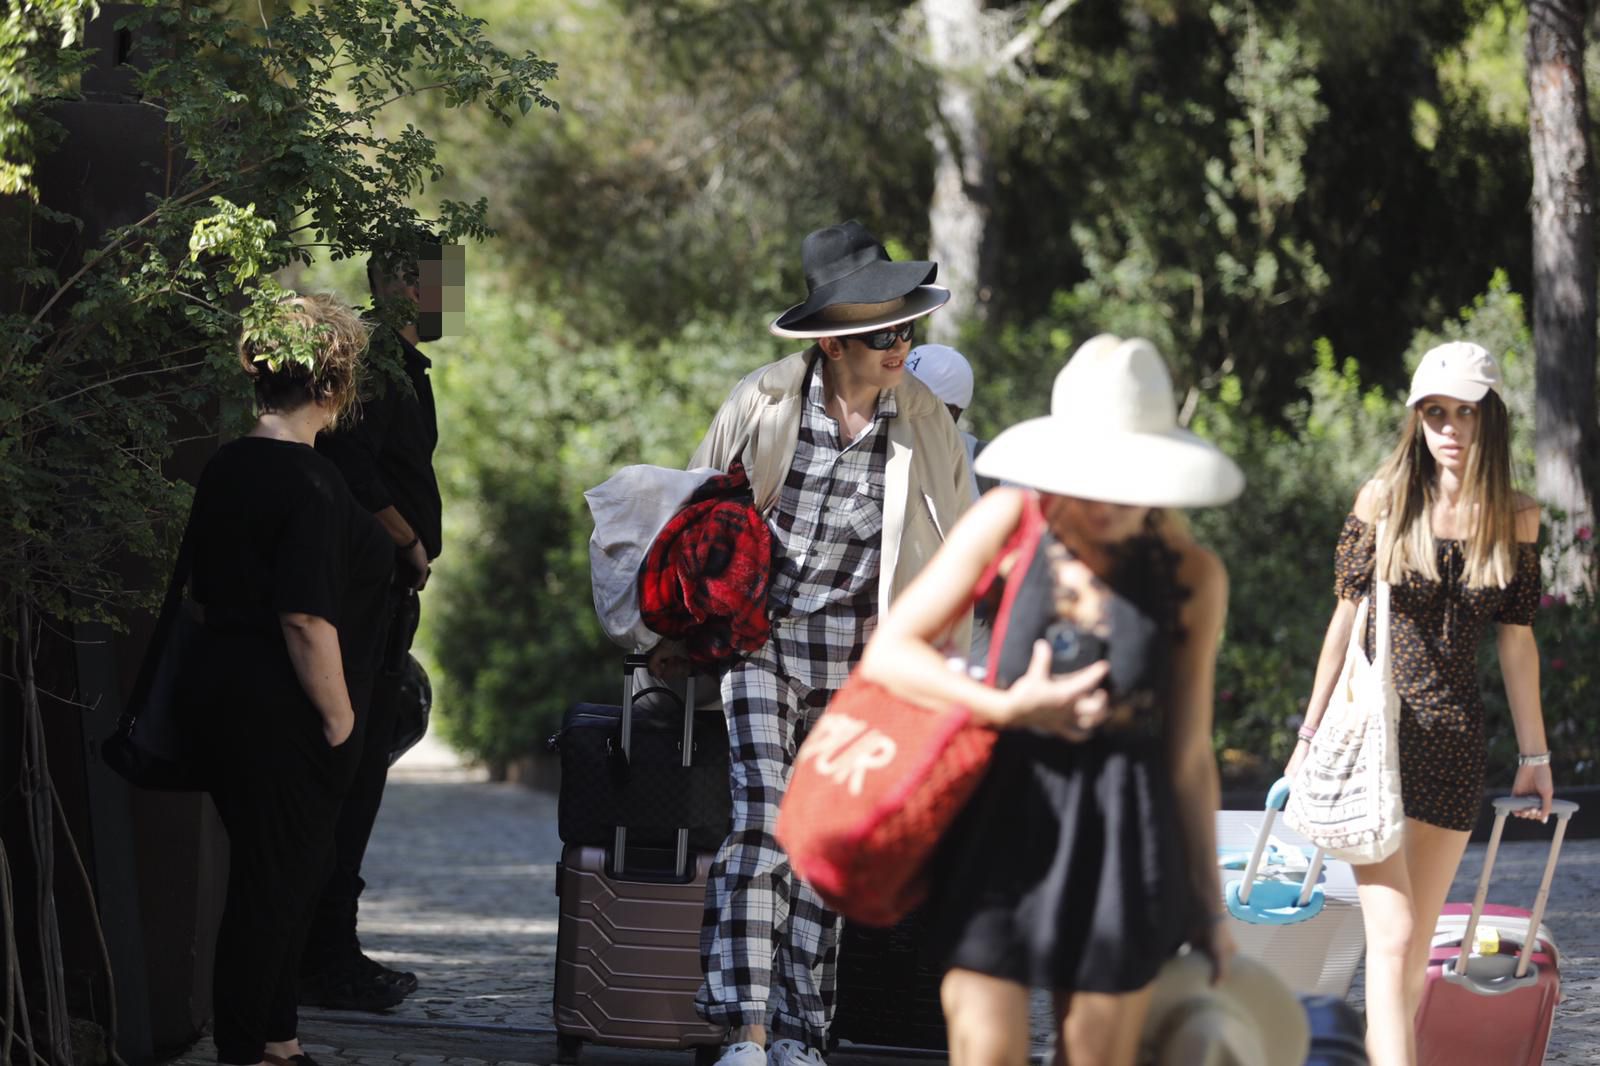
column 1070, row 870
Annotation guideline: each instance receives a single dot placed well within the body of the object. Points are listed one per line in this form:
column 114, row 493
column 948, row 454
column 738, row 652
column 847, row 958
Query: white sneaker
column 744, row 1053
column 793, row 1053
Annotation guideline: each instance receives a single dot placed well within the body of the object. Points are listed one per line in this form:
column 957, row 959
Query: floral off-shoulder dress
column 1435, row 628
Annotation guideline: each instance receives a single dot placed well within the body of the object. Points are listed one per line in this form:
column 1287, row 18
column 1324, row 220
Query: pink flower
column 1584, row 532
column 1225, row 695
column 1547, row 600
column 1558, row 664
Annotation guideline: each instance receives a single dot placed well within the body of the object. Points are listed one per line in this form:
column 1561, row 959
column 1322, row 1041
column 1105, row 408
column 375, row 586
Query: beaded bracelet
column 1541, row 759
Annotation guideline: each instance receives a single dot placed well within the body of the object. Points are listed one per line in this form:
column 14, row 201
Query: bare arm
column 1330, row 661
column 313, row 645
column 400, row 531
column 902, row 654
column 1196, row 786
column 1519, row 668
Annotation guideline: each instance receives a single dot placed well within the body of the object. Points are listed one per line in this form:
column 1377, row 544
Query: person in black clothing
column 387, row 460
column 283, row 557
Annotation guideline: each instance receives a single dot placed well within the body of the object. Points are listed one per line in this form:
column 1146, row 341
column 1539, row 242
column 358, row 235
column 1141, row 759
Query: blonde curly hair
column 339, row 337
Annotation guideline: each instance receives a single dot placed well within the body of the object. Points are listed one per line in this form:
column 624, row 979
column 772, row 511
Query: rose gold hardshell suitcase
column 628, row 936
column 1496, row 1007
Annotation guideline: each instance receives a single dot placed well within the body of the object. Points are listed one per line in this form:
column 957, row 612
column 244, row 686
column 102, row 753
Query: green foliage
column 1567, row 630
column 1198, row 263
column 1256, row 186
column 1277, row 543
column 697, row 144
column 531, row 414
column 1303, row 473
column 115, row 356
column 1236, row 180
column 40, row 56
column 510, row 628
column 1498, row 321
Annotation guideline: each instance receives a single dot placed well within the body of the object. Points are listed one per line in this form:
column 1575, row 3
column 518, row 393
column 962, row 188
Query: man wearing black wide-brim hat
column 859, row 471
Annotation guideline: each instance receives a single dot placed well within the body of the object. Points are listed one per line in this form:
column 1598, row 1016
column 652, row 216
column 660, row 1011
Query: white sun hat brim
column 920, row 301
column 1172, row 468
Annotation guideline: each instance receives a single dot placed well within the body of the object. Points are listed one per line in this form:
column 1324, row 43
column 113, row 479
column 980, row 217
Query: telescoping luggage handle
column 630, row 665
column 1457, row 968
column 1274, row 902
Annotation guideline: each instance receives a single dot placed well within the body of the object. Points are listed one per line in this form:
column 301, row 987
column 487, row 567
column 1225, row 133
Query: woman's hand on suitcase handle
column 1535, row 781
column 1069, row 705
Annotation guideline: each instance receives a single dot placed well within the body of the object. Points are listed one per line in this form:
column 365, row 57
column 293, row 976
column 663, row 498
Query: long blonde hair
column 1407, row 482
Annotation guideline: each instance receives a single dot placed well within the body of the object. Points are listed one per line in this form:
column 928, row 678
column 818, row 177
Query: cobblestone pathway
column 462, row 891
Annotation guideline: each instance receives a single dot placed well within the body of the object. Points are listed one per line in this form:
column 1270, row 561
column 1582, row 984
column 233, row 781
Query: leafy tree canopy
column 280, row 148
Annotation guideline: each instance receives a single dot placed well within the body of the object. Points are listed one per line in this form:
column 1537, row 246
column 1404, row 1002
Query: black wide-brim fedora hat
column 854, row 287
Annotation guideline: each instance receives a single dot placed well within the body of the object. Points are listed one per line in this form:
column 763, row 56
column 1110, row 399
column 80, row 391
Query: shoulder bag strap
column 1380, row 590
column 164, row 621
column 1021, row 546
column 1025, row 536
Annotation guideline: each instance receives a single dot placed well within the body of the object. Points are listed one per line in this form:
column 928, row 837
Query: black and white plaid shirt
column 828, row 531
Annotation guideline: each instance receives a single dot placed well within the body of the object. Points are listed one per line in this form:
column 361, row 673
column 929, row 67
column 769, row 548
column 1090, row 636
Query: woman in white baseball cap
column 1441, row 523
column 1087, row 857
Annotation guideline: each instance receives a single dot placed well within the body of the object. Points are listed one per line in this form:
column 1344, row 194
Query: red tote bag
column 879, row 779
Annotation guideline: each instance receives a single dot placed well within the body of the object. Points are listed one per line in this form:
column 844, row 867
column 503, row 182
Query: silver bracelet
column 1541, row 759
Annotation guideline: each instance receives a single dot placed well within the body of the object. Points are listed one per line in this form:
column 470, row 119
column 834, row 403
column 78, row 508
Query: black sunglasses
column 884, row 339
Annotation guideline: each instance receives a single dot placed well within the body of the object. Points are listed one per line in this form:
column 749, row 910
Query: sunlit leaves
column 281, row 151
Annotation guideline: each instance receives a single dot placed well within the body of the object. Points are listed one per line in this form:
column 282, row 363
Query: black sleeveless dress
column 1067, row 870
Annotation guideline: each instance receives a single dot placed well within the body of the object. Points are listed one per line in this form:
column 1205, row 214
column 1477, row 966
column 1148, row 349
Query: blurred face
column 1094, row 522
column 1449, row 427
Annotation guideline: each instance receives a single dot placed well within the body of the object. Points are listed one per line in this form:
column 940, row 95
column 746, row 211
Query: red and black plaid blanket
column 704, row 579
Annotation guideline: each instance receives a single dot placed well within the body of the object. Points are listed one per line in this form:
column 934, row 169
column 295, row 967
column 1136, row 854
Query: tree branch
column 1019, row 46
column 114, row 245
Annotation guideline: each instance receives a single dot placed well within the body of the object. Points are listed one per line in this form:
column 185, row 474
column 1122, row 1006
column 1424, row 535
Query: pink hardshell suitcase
column 1493, row 1008
column 628, row 934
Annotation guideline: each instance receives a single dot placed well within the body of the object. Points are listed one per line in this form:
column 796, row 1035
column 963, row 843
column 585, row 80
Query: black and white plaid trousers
column 766, row 941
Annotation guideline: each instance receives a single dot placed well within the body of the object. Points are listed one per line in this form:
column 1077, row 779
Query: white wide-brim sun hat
column 1250, row 1018
column 1112, row 435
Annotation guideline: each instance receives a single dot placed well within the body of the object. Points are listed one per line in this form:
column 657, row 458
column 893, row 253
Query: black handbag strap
column 168, row 617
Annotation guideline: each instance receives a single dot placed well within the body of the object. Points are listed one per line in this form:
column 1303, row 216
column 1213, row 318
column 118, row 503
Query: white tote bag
column 1346, row 795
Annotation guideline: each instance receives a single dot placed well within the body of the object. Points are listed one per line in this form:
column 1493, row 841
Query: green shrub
column 531, row 415
column 1277, row 542
column 1567, row 630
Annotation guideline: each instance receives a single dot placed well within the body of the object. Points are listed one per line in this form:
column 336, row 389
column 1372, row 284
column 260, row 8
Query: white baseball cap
column 945, row 371
column 1461, row 370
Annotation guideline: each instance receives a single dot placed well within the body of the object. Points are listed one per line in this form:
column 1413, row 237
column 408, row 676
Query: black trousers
column 279, row 810
column 333, row 926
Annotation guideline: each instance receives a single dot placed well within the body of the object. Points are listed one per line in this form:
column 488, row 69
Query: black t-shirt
column 386, row 455
column 276, row 530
